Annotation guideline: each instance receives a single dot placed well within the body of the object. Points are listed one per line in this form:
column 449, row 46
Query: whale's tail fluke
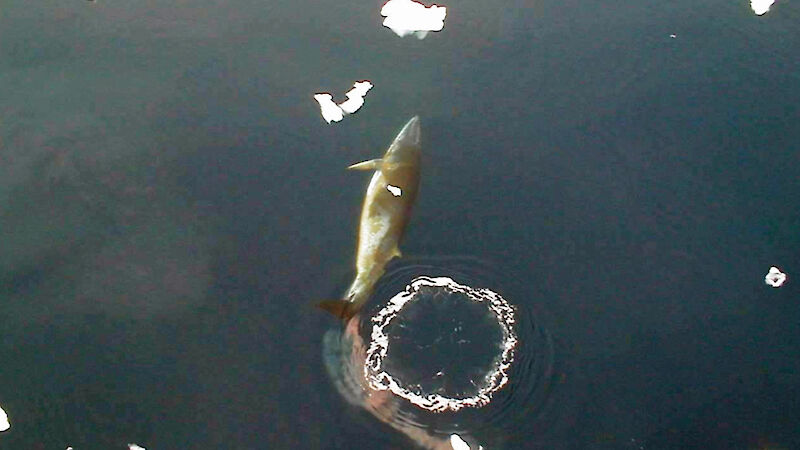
column 342, row 309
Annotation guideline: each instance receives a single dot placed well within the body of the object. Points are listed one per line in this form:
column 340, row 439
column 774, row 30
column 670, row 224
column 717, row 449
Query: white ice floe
column 332, row 112
column 406, row 17
column 135, row 447
column 775, row 277
column 396, row 191
column 460, row 444
column 4, row 423
column 457, row 443
column 760, row 7
column 355, row 97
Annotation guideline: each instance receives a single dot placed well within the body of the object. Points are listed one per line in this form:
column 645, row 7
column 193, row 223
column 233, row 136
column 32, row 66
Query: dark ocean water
column 172, row 207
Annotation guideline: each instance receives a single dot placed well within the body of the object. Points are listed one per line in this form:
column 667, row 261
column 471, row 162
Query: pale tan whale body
column 384, row 216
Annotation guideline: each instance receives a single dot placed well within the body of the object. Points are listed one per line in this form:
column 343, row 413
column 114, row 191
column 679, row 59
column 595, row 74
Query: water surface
column 172, row 205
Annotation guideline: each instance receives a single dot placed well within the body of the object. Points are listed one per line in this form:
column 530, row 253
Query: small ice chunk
column 355, row 97
column 332, row 112
column 135, row 447
column 760, row 7
column 4, row 423
column 406, row 17
column 457, row 443
column 673, row 36
column 396, row 191
column 775, row 277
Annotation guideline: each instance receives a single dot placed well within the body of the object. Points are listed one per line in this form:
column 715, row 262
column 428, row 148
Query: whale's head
column 405, row 148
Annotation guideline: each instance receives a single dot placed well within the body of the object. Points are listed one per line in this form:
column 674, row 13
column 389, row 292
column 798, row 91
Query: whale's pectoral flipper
column 372, row 164
column 342, row 309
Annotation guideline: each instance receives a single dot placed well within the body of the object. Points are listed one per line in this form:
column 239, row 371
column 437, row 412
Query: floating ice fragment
column 4, row 424
column 135, row 447
column 457, row 443
column 775, row 277
column 396, row 191
column 760, row 7
column 406, row 17
column 355, row 96
column 332, row 112
column 673, row 36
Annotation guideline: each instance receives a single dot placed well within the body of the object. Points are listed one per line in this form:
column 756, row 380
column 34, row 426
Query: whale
column 385, row 214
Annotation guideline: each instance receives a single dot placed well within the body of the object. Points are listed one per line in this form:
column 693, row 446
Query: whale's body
column 386, row 211
column 384, row 216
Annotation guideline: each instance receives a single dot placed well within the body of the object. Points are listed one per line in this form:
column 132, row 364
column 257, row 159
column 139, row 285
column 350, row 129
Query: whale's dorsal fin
column 372, row 164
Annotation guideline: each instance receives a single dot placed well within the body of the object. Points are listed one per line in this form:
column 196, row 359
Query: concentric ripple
column 494, row 379
column 447, row 345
